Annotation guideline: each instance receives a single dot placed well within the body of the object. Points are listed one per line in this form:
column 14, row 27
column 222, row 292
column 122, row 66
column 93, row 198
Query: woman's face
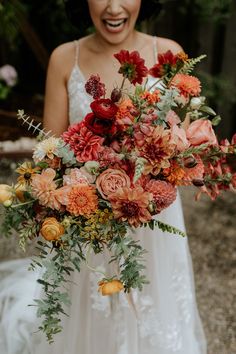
column 114, row 20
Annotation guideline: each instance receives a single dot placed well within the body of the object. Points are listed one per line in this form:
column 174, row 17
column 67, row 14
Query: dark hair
column 78, row 9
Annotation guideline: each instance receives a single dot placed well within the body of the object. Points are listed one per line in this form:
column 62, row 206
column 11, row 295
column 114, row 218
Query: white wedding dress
column 166, row 319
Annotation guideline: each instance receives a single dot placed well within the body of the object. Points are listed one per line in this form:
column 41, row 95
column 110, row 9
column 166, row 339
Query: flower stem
column 89, row 266
column 19, row 205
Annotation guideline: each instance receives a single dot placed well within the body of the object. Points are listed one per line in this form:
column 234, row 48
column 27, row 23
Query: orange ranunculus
column 51, row 229
column 5, row 193
column 110, row 287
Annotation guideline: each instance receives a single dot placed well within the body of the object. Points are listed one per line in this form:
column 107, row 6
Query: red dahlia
column 132, row 66
column 166, row 61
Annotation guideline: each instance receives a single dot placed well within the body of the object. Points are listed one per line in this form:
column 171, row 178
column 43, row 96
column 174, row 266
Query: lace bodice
column 79, row 100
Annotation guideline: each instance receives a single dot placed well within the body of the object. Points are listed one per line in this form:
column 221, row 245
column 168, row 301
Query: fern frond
column 31, row 124
column 190, row 64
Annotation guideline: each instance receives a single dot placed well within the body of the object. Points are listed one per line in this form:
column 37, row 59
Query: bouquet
column 113, row 172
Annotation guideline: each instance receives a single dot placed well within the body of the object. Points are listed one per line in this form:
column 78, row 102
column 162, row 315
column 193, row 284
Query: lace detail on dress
column 79, row 100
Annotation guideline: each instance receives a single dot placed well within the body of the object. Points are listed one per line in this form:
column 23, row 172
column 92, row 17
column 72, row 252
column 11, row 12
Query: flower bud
column 6, row 193
column 198, row 182
column 151, row 207
column 116, row 95
column 7, row 203
column 195, row 103
column 190, row 162
column 110, row 287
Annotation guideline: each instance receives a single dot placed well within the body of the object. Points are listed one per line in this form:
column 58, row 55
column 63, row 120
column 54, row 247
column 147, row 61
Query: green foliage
column 9, row 27
column 130, row 257
column 208, row 11
column 58, row 266
column 190, row 64
column 218, row 88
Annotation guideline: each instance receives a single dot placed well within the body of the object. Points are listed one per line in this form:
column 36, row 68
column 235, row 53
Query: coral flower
column 132, row 66
column 157, row 149
column 83, row 142
column 44, row 189
column 174, row 174
column 151, row 97
column 164, row 193
column 131, row 205
column 82, row 200
column 187, row 84
column 124, row 115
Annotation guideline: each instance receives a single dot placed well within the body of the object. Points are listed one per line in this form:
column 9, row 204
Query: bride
column 164, row 318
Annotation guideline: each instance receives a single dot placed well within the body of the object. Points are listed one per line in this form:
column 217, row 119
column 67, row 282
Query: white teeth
column 114, row 23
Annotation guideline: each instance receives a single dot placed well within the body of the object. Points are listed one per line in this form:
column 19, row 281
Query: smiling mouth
column 114, row 23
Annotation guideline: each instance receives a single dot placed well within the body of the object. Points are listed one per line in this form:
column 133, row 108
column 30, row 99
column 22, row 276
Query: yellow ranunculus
column 51, row 229
column 110, row 287
column 5, row 193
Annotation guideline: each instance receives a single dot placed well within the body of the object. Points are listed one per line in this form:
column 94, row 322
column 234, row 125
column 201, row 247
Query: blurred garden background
column 31, row 29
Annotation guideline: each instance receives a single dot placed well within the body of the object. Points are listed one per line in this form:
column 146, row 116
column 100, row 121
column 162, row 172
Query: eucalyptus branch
column 31, row 125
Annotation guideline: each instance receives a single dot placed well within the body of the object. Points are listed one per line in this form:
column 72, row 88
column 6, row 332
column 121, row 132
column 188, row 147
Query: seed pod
column 116, row 95
column 198, row 182
column 190, row 162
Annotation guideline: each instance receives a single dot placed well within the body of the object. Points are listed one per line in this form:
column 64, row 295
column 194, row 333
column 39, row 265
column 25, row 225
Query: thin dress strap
column 155, row 50
column 76, row 42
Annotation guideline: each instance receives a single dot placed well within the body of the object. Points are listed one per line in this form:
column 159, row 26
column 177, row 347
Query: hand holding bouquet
column 113, row 172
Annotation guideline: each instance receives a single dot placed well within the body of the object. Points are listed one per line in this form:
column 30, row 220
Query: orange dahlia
column 157, row 149
column 187, row 84
column 151, row 97
column 174, row 174
column 82, row 200
column 164, row 193
column 131, row 205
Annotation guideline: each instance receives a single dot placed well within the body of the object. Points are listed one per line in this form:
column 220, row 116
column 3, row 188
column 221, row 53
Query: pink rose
column 201, row 132
column 178, row 137
column 109, row 181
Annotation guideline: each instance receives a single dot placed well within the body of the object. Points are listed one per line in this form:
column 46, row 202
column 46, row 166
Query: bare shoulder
column 62, row 58
column 165, row 44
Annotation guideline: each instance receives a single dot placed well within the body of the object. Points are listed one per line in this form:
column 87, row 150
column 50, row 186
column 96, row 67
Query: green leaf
column 208, row 110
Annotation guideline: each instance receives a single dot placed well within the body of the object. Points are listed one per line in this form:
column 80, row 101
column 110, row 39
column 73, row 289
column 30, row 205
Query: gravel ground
column 211, row 229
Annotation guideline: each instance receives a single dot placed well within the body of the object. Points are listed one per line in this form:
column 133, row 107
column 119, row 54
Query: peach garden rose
column 109, row 181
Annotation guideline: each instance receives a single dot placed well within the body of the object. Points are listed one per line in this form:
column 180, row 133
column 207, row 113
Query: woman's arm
column 56, row 99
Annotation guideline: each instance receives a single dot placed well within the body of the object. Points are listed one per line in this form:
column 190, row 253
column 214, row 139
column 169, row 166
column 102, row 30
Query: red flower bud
column 116, row 95
column 198, row 182
column 190, row 162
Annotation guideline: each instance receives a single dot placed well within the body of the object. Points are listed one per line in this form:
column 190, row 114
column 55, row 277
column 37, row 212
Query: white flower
column 197, row 102
column 8, row 74
column 92, row 166
column 46, row 148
